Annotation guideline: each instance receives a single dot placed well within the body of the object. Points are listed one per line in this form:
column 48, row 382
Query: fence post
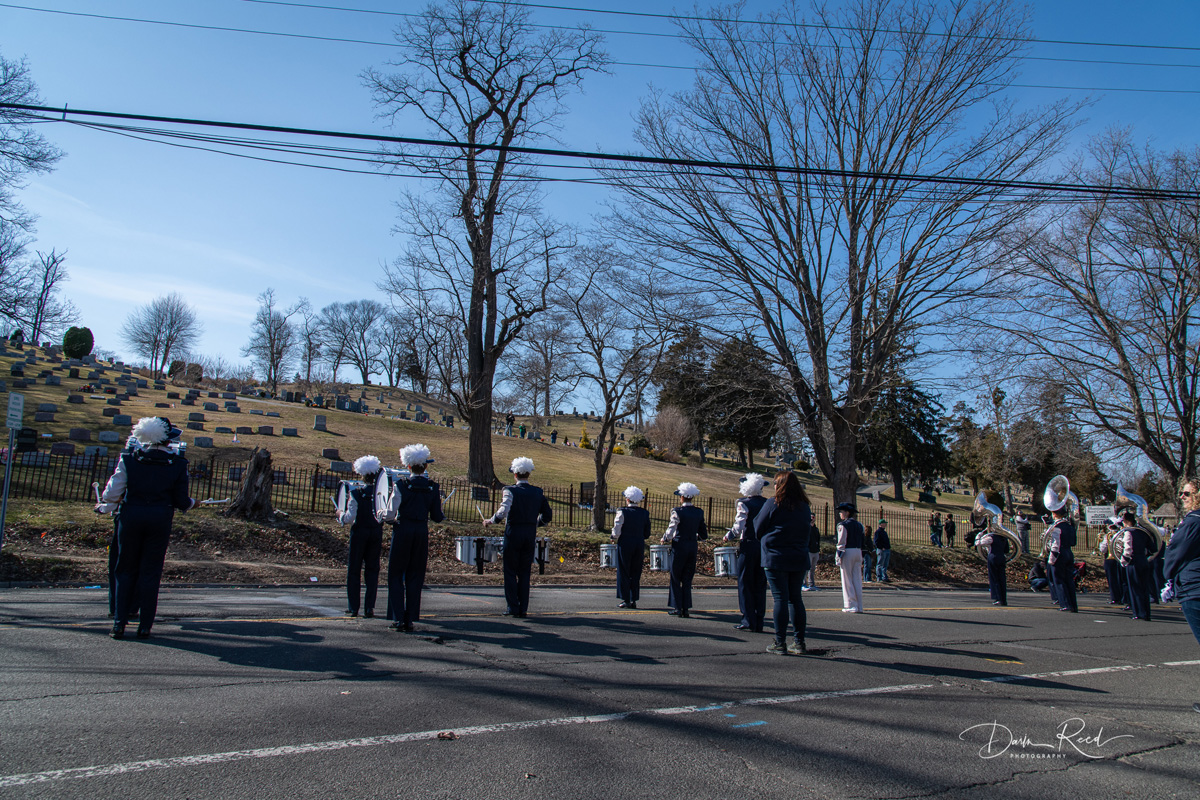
column 212, row 469
column 571, row 506
column 313, row 503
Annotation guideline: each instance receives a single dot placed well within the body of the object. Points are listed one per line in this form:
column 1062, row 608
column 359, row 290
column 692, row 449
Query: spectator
column 935, row 529
column 883, row 551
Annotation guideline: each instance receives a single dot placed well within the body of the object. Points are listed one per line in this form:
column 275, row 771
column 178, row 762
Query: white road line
column 398, row 738
column 1180, row 663
column 1069, row 672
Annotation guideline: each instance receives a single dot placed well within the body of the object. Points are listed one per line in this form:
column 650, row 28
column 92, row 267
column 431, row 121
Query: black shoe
column 521, row 615
column 508, row 612
column 369, row 614
column 143, row 633
column 396, row 626
column 1072, row 610
column 633, row 606
column 740, row 627
column 117, row 632
column 350, row 613
column 408, row 627
column 674, row 612
column 684, row 613
column 995, row 602
column 622, row 605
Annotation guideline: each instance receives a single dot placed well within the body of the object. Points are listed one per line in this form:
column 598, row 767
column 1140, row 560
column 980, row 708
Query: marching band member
column 1182, row 565
column 150, row 483
column 415, row 501
column 685, row 529
column 850, row 539
column 631, row 529
column 782, row 526
column 1061, row 540
column 752, row 581
column 997, row 561
column 1114, row 574
column 1138, row 573
column 366, row 539
column 526, row 509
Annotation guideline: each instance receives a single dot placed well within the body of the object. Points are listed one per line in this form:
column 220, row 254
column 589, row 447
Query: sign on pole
column 1099, row 515
column 16, row 411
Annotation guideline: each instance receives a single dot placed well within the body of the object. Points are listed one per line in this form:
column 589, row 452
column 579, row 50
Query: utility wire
column 626, row 159
column 638, row 65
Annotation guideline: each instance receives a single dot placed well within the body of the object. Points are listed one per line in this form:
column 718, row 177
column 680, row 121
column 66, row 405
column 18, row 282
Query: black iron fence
column 42, row 476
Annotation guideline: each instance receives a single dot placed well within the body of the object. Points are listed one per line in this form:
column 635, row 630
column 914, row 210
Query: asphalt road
column 271, row 693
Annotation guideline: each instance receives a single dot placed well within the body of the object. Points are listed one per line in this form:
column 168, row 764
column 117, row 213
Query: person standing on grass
column 814, row 555
column 366, row 539
column 525, row 509
column 950, row 528
column 415, row 501
column 631, row 529
column 883, row 551
column 783, row 526
column 1182, row 559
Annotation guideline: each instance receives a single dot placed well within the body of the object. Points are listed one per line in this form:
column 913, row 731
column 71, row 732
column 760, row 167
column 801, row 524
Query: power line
column 638, row 65
column 613, row 158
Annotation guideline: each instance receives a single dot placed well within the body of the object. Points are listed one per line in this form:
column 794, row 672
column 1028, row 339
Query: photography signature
column 1071, row 735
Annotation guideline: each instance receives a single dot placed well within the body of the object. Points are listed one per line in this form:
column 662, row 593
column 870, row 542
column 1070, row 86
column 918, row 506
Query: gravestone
column 142, row 383
column 17, row 370
column 319, row 424
column 403, row 415
column 172, row 395
column 162, row 405
column 19, row 384
column 229, row 396
column 266, row 430
column 195, row 426
column 80, row 435
column 51, row 407
column 341, row 466
column 203, row 441
column 93, row 375
column 210, row 407
column 62, row 449
column 187, row 401
column 272, row 413
column 256, row 411
column 235, row 473
column 112, row 401
column 32, row 458
column 3, row 386
column 110, row 390
column 130, row 391
column 291, row 432
column 223, row 429
column 245, row 430
column 109, row 437
column 43, row 416
column 53, row 380
column 196, row 416
column 233, row 409
column 109, row 412
column 331, row 453
column 95, row 451
column 122, row 419
column 214, row 394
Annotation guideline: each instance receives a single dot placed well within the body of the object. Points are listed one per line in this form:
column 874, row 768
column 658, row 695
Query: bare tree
column 1117, row 281
column 393, row 341
column 46, row 313
column 308, row 333
column 833, row 254
column 22, row 151
column 613, row 351
column 336, row 333
column 273, row 339
column 545, row 370
column 363, row 318
column 482, row 75
column 164, row 326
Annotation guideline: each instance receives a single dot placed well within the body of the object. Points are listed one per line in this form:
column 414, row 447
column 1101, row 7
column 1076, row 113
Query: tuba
column 994, row 528
column 1058, row 497
column 1125, row 498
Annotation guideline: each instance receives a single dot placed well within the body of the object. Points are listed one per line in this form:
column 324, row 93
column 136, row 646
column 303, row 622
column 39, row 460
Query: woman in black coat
column 783, row 528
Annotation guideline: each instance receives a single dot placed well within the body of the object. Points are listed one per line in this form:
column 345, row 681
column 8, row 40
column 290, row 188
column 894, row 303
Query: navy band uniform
column 525, row 509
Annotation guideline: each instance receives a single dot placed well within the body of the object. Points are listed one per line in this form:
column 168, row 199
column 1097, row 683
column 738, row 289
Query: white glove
column 106, row 508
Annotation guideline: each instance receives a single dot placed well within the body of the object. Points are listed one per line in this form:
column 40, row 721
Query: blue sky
column 140, row 219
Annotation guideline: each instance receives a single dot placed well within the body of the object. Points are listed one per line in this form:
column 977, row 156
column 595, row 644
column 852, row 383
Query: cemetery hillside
column 78, row 414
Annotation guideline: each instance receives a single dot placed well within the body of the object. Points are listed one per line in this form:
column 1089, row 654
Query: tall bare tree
column 545, row 369
column 22, row 150
column 308, row 334
column 1116, row 323
column 273, row 339
column 482, row 75
column 336, row 334
column 165, row 326
column 834, row 252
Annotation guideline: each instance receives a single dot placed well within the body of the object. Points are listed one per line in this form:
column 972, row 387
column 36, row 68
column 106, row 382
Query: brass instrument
column 1125, row 498
column 1059, row 497
column 994, row 528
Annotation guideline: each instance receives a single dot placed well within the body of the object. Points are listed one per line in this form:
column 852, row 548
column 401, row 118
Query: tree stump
column 253, row 500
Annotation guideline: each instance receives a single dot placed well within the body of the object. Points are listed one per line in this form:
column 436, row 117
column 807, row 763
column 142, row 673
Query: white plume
column 634, row 494
column 687, row 490
column 367, row 465
column 521, row 466
column 752, row 484
column 150, row 430
column 414, row 455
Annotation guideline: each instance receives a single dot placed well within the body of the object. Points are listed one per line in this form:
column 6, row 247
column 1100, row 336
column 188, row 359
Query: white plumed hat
column 414, row 455
column 687, row 490
column 367, row 465
column 634, row 495
column 153, row 430
column 752, row 484
column 521, row 466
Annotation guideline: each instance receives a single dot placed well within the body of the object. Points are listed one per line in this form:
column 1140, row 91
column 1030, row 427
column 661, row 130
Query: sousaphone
column 1124, row 499
column 983, row 544
column 1059, row 497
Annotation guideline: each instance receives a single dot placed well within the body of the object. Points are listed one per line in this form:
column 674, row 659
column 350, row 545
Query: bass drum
column 343, row 494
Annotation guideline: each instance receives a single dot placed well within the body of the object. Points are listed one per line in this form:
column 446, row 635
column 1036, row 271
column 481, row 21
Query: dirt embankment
column 67, row 543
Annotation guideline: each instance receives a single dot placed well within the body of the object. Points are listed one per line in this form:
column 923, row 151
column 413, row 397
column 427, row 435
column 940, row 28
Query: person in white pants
column 850, row 541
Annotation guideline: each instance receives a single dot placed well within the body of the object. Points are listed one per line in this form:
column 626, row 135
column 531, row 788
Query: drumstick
column 96, row 487
column 447, row 499
column 481, row 516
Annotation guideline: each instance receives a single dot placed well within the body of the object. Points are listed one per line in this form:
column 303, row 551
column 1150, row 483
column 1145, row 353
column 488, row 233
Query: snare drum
column 723, row 564
column 661, row 556
column 608, row 556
